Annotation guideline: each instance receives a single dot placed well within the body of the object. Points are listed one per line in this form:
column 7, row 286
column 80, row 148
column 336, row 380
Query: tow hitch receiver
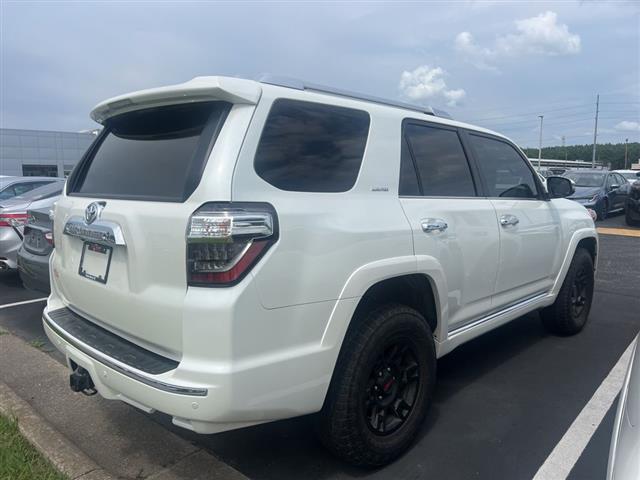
column 80, row 381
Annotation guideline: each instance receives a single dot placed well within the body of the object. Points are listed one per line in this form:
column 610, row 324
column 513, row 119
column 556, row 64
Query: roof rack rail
column 289, row 82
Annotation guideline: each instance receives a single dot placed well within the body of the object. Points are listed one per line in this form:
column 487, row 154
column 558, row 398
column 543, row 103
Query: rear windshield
column 46, row 191
column 152, row 154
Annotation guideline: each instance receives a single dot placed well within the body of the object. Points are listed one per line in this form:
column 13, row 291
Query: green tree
column 606, row 153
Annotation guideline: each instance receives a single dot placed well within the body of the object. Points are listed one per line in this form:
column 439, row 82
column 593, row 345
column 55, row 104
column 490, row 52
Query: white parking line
column 15, row 304
column 564, row 456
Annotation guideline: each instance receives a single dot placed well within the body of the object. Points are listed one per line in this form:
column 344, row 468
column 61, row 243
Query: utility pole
column 541, row 117
column 626, row 141
column 564, row 148
column 595, row 133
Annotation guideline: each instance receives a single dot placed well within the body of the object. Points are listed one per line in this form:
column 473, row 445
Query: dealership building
column 41, row 152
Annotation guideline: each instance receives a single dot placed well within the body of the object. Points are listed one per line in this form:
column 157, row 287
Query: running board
column 512, row 308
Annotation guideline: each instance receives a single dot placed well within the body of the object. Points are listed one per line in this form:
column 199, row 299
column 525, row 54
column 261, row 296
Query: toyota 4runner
column 233, row 252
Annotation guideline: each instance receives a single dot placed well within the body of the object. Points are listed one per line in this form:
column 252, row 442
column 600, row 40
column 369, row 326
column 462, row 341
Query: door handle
column 433, row 225
column 508, row 220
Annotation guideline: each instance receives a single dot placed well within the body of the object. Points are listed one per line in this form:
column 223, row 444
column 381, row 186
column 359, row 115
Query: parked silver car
column 624, row 454
column 14, row 186
column 37, row 245
column 13, row 216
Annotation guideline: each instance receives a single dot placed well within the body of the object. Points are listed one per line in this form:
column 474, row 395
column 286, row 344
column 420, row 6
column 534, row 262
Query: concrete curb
column 121, row 442
column 54, row 446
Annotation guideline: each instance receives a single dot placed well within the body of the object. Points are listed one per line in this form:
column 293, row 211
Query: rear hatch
column 120, row 228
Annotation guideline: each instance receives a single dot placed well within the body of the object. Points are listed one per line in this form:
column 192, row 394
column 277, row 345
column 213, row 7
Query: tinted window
column 504, row 170
column 311, row 147
column 155, row 153
column 408, row 176
column 443, row 169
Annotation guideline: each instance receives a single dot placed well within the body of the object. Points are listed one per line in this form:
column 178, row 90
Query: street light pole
column 626, row 141
column 541, row 117
column 595, row 133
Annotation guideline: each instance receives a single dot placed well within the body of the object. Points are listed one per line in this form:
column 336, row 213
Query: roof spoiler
column 234, row 90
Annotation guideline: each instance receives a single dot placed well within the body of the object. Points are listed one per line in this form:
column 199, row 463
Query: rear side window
column 409, row 185
column 311, row 147
column 504, row 170
column 438, row 156
column 152, row 154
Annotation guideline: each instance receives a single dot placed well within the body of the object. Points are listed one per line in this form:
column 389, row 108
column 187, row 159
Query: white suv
column 233, row 252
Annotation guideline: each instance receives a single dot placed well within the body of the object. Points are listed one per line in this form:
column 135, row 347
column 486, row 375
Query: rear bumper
column 207, row 392
column 34, row 270
column 9, row 245
column 118, row 382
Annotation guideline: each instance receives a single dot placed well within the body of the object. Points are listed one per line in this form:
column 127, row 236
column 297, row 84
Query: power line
column 533, row 113
column 553, row 120
column 567, row 115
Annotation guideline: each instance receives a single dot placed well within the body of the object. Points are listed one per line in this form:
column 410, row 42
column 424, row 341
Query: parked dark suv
column 632, row 205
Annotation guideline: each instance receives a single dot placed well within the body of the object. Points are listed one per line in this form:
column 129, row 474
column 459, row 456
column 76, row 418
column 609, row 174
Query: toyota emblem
column 92, row 212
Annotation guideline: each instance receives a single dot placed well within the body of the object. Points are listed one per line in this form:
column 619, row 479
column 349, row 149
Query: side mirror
column 560, row 187
column 614, row 186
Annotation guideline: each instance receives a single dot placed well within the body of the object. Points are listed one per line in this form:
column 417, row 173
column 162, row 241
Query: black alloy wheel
column 579, row 291
column 392, row 388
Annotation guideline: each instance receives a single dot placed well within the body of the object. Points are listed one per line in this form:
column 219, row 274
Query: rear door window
column 151, row 154
column 505, row 172
column 440, row 160
column 311, row 147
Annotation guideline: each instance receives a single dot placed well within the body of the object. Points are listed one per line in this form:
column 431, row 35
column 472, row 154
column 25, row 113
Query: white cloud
column 478, row 56
column 539, row 35
column 627, row 126
column 425, row 83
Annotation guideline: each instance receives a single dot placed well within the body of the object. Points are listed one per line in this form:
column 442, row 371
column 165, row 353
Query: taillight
column 16, row 220
column 52, row 214
column 225, row 240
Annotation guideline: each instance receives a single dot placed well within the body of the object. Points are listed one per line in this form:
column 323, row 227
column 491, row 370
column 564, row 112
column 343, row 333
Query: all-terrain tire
column 348, row 424
column 629, row 219
column 568, row 314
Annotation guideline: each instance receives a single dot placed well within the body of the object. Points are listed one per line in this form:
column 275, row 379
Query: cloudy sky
column 495, row 64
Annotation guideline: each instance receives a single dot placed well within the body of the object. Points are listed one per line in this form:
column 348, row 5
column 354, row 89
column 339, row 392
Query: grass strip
column 19, row 460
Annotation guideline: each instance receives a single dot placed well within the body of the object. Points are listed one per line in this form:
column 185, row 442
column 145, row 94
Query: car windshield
column 630, row 175
column 586, row 179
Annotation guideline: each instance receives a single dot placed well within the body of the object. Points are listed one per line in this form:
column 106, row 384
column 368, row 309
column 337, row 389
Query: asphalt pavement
column 503, row 401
